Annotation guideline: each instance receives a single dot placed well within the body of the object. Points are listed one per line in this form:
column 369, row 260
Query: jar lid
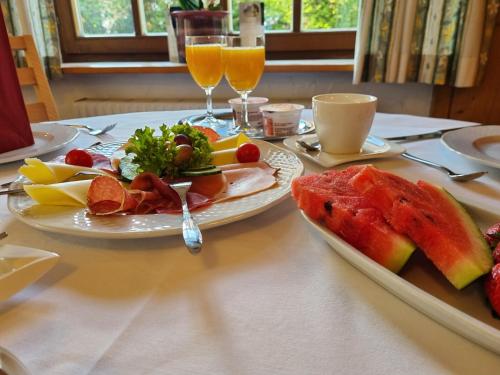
column 282, row 107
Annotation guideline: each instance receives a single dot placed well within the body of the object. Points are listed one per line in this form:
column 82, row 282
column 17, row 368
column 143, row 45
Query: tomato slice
column 211, row 134
column 79, row 157
column 248, row 153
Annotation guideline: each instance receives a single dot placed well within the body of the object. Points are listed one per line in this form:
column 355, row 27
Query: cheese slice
column 224, row 156
column 40, row 172
column 72, row 193
column 230, row 142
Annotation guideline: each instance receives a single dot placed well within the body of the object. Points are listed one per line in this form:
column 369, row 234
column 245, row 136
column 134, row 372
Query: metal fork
column 454, row 176
column 190, row 231
column 92, row 130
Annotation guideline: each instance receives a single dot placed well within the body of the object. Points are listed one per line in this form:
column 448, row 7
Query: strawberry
column 496, row 254
column 492, row 235
column 492, row 288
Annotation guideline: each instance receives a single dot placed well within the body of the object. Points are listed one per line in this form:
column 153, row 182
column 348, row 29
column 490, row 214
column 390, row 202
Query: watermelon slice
column 329, row 198
column 433, row 219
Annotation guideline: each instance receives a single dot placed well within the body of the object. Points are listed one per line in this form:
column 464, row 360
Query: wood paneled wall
column 480, row 104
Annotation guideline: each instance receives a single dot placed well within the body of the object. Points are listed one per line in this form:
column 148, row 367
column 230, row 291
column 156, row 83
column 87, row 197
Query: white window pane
column 329, row 14
column 278, row 15
column 105, row 17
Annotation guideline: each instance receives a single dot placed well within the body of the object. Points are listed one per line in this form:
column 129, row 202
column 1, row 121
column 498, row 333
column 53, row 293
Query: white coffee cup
column 343, row 121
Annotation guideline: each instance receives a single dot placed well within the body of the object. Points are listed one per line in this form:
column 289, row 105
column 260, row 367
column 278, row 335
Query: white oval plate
column 20, row 266
column 48, row 138
column 478, row 143
column 373, row 148
column 75, row 221
column 421, row 286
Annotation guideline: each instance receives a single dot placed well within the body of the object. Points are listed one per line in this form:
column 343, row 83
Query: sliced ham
column 148, row 181
column 246, row 178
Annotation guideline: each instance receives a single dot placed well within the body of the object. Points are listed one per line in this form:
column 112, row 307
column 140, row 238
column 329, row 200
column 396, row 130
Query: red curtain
column 15, row 130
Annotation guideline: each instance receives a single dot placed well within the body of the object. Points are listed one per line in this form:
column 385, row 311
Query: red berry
column 492, row 288
column 492, row 235
column 79, row 157
column 247, row 153
column 182, row 139
column 496, row 254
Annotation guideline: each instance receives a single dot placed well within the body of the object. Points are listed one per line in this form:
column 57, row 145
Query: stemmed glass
column 244, row 59
column 205, row 63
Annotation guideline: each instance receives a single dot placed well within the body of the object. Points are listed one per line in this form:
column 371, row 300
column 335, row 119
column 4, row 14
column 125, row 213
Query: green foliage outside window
column 329, row 14
column 111, row 17
column 106, row 17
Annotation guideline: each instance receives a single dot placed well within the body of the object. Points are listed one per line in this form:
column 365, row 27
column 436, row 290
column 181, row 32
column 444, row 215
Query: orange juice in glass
column 205, row 63
column 243, row 66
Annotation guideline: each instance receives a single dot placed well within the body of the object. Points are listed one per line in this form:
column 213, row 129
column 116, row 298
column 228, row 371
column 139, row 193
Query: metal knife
column 12, row 191
column 429, row 135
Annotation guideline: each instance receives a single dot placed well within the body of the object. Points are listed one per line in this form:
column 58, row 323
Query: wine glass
column 244, row 59
column 205, row 63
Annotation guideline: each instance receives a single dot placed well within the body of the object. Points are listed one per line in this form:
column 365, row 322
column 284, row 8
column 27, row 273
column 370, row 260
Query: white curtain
column 428, row 41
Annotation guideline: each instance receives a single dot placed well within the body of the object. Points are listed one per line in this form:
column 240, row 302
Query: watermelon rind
column 477, row 259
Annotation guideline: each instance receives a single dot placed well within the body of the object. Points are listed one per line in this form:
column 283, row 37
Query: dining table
column 266, row 295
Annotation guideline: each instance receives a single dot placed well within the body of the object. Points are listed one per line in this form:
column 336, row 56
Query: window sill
column 279, row 66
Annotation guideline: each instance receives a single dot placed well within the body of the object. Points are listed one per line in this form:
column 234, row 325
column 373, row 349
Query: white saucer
column 373, row 148
column 20, row 266
column 478, row 143
column 48, row 138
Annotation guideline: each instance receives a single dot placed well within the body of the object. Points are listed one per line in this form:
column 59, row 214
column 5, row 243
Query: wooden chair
column 33, row 75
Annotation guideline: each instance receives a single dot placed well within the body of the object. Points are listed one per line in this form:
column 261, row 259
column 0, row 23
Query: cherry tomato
column 182, row 139
column 79, row 157
column 247, row 153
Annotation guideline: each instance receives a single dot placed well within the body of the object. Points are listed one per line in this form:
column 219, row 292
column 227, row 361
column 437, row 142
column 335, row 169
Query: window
column 102, row 30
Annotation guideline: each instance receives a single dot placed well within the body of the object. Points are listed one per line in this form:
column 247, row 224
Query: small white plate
column 373, row 148
column 10, row 364
column 20, row 266
column 421, row 286
column 77, row 221
column 48, row 138
column 478, row 143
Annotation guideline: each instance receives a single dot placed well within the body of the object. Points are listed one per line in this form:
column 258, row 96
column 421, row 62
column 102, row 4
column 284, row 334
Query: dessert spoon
column 459, row 177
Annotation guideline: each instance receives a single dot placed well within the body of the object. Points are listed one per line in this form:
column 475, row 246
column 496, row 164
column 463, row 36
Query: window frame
column 295, row 45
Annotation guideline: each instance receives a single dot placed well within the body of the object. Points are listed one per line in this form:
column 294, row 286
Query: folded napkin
column 15, row 130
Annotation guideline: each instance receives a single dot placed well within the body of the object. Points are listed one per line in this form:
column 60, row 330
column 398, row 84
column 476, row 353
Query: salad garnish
column 178, row 148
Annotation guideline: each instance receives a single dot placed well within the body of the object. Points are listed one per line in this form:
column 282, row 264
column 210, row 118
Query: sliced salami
column 107, row 196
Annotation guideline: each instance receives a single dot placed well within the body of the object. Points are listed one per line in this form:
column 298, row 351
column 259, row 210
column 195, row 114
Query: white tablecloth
column 266, row 296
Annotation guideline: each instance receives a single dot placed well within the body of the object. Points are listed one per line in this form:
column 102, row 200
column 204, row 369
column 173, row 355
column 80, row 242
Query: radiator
column 87, row 107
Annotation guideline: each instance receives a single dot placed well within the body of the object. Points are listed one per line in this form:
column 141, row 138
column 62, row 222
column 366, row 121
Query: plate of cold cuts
column 78, row 221
column 403, row 235
column 478, row 143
